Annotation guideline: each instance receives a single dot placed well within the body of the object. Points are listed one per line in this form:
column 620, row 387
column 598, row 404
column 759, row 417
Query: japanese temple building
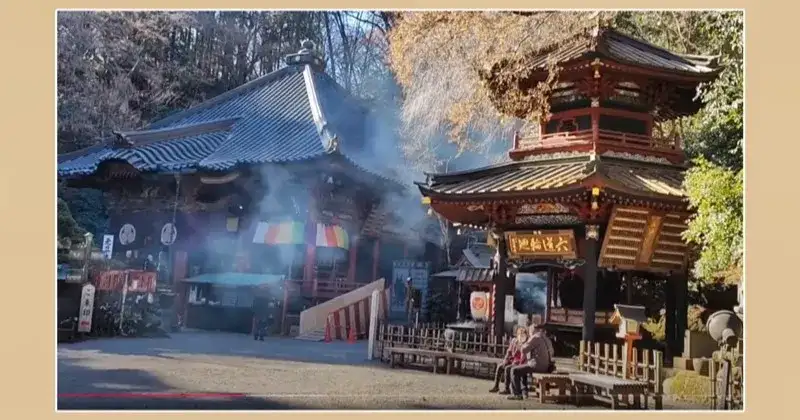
column 274, row 179
column 592, row 198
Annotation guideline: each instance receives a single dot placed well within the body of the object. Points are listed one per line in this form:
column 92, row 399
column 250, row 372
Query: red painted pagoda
column 592, row 200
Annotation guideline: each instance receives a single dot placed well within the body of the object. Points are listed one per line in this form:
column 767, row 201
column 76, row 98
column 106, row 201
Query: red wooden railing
column 599, row 139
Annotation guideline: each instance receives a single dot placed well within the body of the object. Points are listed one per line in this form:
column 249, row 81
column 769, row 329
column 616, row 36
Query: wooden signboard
column 541, row 244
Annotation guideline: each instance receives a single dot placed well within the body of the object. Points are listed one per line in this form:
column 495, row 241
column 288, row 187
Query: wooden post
column 606, row 352
column 615, row 350
column 311, row 245
column 581, row 352
column 597, row 358
column 681, row 311
column 500, row 283
column 658, row 360
column 626, row 361
column 285, row 307
column 669, row 322
column 712, row 376
column 373, row 322
column 550, row 293
column 376, row 258
column 351, row 260
column 590, row 281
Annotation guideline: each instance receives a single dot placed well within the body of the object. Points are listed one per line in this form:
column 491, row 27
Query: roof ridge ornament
column 121, row 140
column 308, row 55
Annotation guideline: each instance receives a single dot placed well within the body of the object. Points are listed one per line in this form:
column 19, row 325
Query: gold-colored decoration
column 550, row 243
column 543, row 208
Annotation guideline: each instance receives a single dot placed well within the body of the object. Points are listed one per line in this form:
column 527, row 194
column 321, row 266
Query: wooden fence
column 645, row 366
column 434, row 337
column 727, row 379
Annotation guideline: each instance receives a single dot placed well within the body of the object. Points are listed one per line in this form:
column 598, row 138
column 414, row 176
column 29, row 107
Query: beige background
column 27, row 185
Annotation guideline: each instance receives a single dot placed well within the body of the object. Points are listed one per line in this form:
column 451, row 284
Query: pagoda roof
column 559, row 174
column 297, row 113
column 625, row 49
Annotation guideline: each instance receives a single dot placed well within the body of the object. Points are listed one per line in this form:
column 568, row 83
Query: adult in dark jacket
column 539, row 352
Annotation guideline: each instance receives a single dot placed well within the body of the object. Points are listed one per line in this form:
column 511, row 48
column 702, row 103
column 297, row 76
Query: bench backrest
column 646, row 366
column 435, row 338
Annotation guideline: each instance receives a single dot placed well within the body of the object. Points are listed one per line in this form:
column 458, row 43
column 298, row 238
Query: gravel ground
column 279, row 373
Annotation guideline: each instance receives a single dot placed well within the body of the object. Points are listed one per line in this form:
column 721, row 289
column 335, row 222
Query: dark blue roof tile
column 289, row 115
column 172, row 154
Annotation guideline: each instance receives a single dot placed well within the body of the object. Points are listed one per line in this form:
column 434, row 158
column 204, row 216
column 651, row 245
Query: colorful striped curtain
column 292, row 233
column 280, row 233
column 332, row 236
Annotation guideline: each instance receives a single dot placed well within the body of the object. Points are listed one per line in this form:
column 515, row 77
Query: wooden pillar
column 669, row 322
column 351, row 260
column 285, row 307
column 311, row 246
column 679, row 281
column 590, row 281
column 501, row 288
column 549, row 293
column 376, row 258
column 180, row 268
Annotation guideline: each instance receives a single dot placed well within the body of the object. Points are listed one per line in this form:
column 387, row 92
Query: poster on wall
column 87, row 307
column 419, row 271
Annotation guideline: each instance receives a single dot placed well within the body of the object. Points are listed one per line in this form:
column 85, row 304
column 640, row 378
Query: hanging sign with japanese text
column 541, row 244
column 87, row 307
column 108, row 246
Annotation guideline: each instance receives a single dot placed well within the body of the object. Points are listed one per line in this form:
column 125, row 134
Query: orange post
column 629, row 339
column 351, row 336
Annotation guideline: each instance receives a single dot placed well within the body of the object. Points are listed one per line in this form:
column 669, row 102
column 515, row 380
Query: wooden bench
column 396, row 353
column 542, row 383
column 644, row 369
column 609, row 388
column 452, row 358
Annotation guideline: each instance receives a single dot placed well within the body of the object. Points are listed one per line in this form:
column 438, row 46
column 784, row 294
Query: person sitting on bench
column 539, row 352
column 513, row 358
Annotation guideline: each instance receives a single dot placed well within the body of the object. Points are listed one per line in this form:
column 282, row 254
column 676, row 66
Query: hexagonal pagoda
column 592, row 200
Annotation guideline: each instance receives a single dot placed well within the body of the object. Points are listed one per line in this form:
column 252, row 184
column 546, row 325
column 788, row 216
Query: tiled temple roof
column 548, row 175
column 294, row 114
